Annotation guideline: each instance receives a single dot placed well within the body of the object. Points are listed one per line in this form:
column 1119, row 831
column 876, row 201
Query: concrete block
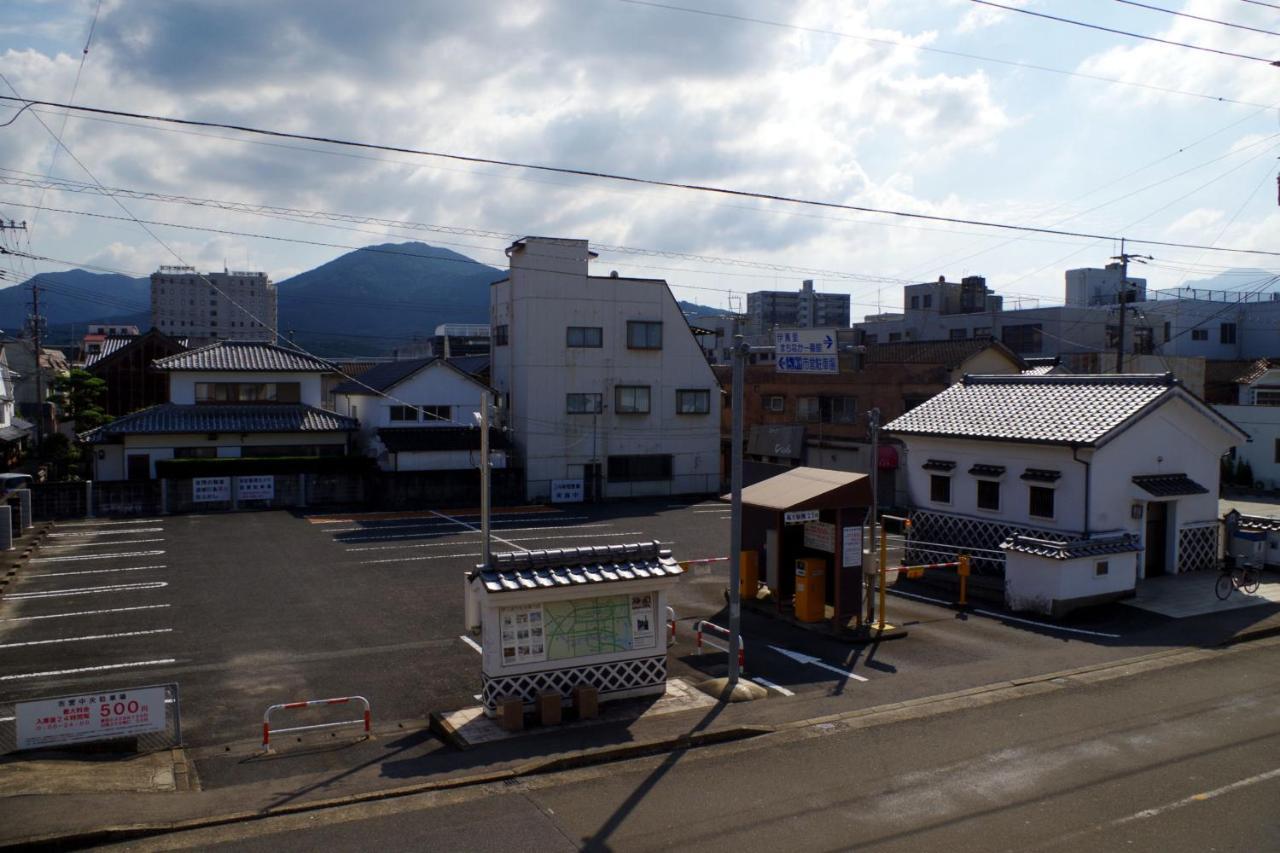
column 511, row 714
column 6, row 527
column 549, row 708
column 586, row 702
column 24, row 508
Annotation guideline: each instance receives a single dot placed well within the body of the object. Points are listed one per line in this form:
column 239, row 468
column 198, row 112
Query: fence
column 366, row 720
column 87, row 498
column 169, row 736
column 703, row 626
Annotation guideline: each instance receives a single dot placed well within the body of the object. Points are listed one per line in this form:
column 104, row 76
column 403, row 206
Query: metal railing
column 702, row 626
column 671, row 625
column 366, row 720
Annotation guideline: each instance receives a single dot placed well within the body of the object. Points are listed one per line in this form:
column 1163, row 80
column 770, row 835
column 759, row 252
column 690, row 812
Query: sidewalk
column 103, row 798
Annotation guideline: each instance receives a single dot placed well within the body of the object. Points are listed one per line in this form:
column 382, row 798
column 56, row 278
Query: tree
column 79, row 394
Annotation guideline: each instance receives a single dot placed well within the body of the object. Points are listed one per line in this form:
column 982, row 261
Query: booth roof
column 591, row 564
column 809, row 488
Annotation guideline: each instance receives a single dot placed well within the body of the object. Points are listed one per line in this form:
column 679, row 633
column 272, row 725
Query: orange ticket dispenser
column 811, row 589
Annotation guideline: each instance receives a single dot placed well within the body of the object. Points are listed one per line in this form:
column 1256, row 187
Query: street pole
column 735, row 513
column 1124, row 287
column 36, row 320
column 487, row 552
column 873, row 424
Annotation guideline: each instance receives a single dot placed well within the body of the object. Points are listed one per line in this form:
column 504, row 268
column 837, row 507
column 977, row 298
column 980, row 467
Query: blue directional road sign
column 806, row 351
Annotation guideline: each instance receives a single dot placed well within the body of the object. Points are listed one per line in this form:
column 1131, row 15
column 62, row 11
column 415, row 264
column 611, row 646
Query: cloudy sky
column 931, row 106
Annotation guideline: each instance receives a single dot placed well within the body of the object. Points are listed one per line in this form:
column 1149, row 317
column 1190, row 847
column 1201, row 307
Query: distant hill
column 71, row 298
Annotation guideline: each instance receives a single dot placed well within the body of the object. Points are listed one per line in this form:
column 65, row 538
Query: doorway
column 1156, row 539
column 139, row 466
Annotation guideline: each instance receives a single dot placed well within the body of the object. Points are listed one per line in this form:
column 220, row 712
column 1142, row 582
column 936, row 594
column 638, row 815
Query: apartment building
column 805, row 309
column 209, row 307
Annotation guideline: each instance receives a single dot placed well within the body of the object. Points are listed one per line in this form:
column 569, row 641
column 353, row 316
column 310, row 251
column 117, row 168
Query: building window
column 982, row 331
column 639, row 469
column 582, row 404
column 927, row 301
column 248, row 392
column 1277, row 457
column 776, row 403
column 1262, row 397
column 631, row 399
column 644, row 334
column 957, row 334
column 939, row 489
column 1041, row 502
column 894, row 337
column 693, row 402
column 437, row 414
column 915, row 303
column 870, row 338
column 195, row 453
column 1023, row 338
column 910, row 401
column 584, row 336
column 1199, row 334
column 807, row 410
column 1101, row 568
column 1168, row 329
column 827, row 410
column 403, row 414
column 1143, row 340
column 500, row 335
column 989, row 494
column 1227, row 333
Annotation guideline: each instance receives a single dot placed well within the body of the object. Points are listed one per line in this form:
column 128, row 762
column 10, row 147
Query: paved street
column 1185, row 758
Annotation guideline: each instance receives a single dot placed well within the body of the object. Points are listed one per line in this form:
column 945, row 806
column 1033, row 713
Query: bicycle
column 1245, row 578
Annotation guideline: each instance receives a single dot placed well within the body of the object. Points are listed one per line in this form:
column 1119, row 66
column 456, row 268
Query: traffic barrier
column 671, row 624
column 367, row 719
column 685, row 564
column 703, row 625
column 961, row 565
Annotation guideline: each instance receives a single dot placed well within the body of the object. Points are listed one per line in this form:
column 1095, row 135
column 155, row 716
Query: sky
column 941, row 107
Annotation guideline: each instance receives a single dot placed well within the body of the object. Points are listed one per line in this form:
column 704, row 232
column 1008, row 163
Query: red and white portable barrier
column 671, row 624
column 367, row 719
column 703, row 625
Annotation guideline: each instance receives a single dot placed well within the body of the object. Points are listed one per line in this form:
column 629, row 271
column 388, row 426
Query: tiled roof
column 1257, row 370
column 243, row 355
column 110, row 345
column 1073, row 549
column 383, row 377
column 1039, row 370
column 987, row 470
column 265, row 417
column 938, row 465
column 591, row 564
column 1169, row 485
column 948, row 353
column 1056, row 409
column 438, row 438
column 1041, row 475
column 1258, row 522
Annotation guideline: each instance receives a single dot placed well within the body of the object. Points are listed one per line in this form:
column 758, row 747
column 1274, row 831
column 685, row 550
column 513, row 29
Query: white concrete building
column 417, row 415
column 1258, row 414
column 1056, row 471
column 601, row 378
column 806, row 309
column 207, row 307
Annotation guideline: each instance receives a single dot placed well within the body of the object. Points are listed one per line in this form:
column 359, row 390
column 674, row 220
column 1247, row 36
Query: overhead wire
column 1197, row 17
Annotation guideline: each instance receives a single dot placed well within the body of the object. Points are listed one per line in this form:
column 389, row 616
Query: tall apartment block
column 806, row 309
column 208, row 307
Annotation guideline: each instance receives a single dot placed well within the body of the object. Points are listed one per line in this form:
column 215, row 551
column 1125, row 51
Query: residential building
column 1072, row 488
column 97, row 335
column 15, row 433
column 229, row 399
column 207, row 307
column 601, row 378
column 125, row 365
column 19, row 354
column 1092, row 286
column 1256, row 410
column 418, row 415
column 806, row 309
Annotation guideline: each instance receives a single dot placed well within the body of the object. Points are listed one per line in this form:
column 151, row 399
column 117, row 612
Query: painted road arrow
column 813, row 661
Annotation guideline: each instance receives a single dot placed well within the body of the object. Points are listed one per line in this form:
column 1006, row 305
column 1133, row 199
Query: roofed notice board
column 806, row 351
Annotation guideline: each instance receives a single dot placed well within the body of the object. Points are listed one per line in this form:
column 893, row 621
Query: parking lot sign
column 104, row 715
column 806, row 351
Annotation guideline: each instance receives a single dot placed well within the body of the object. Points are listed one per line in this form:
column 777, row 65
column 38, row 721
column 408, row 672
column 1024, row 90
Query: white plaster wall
column 1037, row 584
column 115, row 467
column 1263, row 425
column 182, row 383
column 108, row 462
column 428, row 460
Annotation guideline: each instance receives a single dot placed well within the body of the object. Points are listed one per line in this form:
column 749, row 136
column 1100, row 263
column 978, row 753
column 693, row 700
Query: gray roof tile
column 266, row 417
column 1059, row 409
column 243, row 355
column 1073, row 549
column 1169, row 485
column 592, row 564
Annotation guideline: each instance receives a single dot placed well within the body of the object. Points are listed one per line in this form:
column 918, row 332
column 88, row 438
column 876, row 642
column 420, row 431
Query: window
column 1168, row 329
column 915, row 302
column 693, row 401
column 436, row 414
column 404, row 414
column 1101, row 568
column 827, row 410
column 776, row 403
column 910, row 401
column 870, row 338
column 582, row 404
column 631, row 399
column 293, row 450
column 927, row 300
column 1023, row 338
column 1199, row 334
column 807, row 410
column 1143, row 340
column 195, row 453
column 500, row 335
column 989, row 494
column 584, row 336
column 639, row 469
column 1112, row 336
column 894, row 337
column 939, row 489
column 982, row 331
column 355, row 411
column 643, row 334
column 1277, row 457
column 1262, row 397
column 1041, row 502
column 248, row 392
column 1227, row 333
column 957, row 334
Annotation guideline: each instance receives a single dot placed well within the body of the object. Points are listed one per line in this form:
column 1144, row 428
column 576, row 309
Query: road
column 1184, row 758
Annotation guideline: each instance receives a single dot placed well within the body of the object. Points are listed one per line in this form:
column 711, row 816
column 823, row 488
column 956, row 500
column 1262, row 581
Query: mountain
column 72, row 298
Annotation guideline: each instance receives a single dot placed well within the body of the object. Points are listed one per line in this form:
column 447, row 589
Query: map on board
column 589, row 626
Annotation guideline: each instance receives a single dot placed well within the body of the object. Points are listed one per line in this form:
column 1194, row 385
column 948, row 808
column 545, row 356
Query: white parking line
column 1003, row 616
column 472, row 643
column 90, row 524
column 505, row 530
column 96, row 556
column 764, row 682
column 509, row 519
column 416, row 559
column 455, row 544
column 477, row 530
column 126, row 532
column 114, row 543
column 702, row 511
column 91, row 572
column 87, row 590
column 86, row 639
column 87, row 613
column 76, row 671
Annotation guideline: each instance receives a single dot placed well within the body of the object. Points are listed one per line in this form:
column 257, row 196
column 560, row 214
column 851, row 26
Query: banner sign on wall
column 208, row 489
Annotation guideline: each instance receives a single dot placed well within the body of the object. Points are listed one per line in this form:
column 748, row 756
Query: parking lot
column 249, row 609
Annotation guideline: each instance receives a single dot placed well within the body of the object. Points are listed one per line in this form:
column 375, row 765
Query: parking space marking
column 811, row 660
column 455, row 543
column 87, row 613
column 380, row 538
column 764, row 682
column 418, row 558
column 472, row 643
column 435, row 524
column 706, row 511
column 1005, row 617
column 78, row 670
column 91, row 572
column 71, row 557
column 88, row 638
column 89, row 524
column 128, row 532
column 477, row 530
column 87, row 590
column 114, row 543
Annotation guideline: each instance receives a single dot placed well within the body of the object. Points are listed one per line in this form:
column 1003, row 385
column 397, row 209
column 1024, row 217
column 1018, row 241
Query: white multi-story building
column 601, row 378
column 805, row 309
column 208, row 307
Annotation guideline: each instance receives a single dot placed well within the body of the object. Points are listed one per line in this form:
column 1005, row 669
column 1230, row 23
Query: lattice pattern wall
column 1197, row 548
column 606, row 677
column 960, row 532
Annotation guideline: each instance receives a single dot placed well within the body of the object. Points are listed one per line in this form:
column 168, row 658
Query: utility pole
column 487, row 551
column 1123, row 298
column 740, row 350
column 873, row 425
column 37, row 323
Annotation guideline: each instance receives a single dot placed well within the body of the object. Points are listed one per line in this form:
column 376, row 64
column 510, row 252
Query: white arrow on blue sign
column 806, row 351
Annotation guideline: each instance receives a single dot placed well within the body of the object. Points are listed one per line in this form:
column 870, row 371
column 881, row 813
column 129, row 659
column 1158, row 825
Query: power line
column 629, row 179
column 1101, row 28
column 1197, row 17
column 1260, row 3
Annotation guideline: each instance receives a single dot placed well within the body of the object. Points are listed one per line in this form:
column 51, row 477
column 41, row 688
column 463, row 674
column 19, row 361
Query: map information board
column 588, row 626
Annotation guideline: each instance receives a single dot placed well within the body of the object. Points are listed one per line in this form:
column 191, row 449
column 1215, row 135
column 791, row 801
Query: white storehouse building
column 603, row 383
column 1073, row 487
column 1257, row 412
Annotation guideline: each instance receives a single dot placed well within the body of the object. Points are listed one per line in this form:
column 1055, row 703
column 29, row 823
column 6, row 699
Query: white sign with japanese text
column 256, row 488
column 806, row 351
column 104, row 715
column 799, row 516
column 852, row 547
column 566, row 491
column 821, row 536
column 207, row 489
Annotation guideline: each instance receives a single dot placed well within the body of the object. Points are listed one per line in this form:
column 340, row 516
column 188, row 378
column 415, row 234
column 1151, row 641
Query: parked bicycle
column 1244, row 577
